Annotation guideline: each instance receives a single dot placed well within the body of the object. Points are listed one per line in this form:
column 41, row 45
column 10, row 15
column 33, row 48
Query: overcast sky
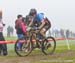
column 60, row 12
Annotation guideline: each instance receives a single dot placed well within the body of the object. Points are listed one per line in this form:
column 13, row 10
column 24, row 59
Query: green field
column 61, row 55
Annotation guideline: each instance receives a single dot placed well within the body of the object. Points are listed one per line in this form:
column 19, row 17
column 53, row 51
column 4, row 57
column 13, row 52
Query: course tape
column 13, row 42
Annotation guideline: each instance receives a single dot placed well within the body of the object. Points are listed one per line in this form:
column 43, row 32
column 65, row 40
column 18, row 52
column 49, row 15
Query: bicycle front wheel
column 48, row 45
column 23, row 47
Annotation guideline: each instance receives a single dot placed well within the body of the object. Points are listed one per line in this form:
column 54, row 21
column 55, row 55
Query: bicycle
column 46, row 44
column 32, row 41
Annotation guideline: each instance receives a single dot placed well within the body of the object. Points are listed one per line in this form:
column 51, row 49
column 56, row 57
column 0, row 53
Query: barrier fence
column 13, row 41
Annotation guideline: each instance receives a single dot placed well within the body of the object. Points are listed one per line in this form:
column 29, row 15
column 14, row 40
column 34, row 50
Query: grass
column 11, row 38
column 61, row 54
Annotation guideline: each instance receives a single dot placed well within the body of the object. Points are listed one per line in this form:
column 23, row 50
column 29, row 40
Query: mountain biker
column 40, row 21
column 20, row 27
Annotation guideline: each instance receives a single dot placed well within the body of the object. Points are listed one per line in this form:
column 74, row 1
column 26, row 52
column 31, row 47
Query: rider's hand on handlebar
column 28, row 28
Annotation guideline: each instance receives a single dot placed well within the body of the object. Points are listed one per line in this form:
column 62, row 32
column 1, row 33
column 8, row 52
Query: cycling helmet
column 19, row 16
column 32, row 12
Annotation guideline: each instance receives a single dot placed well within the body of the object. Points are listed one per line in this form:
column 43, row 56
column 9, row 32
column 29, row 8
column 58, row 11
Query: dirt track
column 69, row 55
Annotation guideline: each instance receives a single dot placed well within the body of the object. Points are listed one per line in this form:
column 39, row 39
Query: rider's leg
column 43, row 31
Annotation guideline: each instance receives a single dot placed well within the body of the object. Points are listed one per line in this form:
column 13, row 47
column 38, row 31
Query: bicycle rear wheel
column 48, row 45
column 23, row 47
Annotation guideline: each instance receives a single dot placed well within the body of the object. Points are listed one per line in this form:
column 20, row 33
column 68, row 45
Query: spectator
column 67, row 33
column 20, row 27
column 3, row 47
column 11, row 31
column 8, row 31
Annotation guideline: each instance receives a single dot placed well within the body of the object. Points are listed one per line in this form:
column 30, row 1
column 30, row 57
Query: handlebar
column 35, row 28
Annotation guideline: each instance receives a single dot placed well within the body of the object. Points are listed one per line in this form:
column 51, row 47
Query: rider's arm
column 43, row 23
column 30, row 24
column 31, row 21
column 41, row 18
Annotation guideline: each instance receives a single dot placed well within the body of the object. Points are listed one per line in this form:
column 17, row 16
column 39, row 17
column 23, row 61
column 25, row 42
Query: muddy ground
column 65, row 57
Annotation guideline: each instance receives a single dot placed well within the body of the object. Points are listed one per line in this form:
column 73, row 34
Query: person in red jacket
column 21, row 28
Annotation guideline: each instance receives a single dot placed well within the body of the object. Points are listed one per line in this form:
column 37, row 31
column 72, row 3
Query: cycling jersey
column 39, row 17
column 38, row 20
